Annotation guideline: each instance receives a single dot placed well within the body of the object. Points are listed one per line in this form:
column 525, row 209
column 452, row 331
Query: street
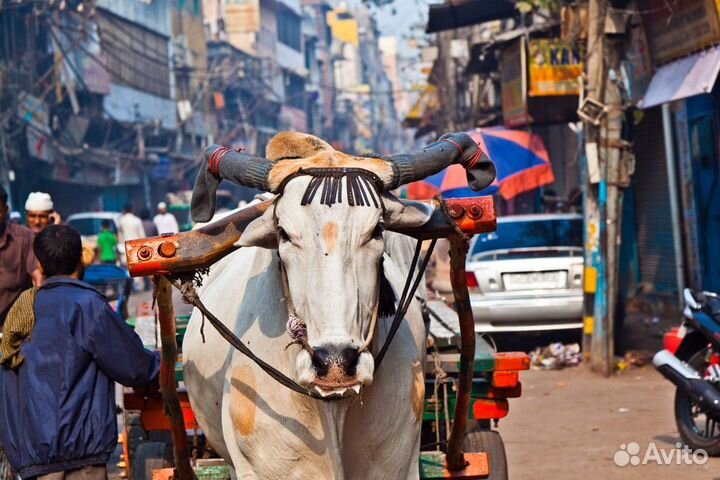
column 551, row 167
column 569, row 424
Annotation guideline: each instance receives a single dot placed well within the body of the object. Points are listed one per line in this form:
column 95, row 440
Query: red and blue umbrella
column 520, row 158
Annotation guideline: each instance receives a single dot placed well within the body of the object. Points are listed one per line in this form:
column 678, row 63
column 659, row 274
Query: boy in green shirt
column 107, row 243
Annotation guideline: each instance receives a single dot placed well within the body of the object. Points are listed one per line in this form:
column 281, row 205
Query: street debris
column 555, row 356
column 633, row 359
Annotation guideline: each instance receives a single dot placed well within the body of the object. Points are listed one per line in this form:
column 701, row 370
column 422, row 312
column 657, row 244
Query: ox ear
column 405, row 213
column 261, row 232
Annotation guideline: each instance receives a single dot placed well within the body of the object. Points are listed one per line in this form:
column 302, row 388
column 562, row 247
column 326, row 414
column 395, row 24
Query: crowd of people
column 59, row 343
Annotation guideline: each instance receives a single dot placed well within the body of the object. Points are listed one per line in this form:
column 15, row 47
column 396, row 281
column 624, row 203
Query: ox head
column 327, row 225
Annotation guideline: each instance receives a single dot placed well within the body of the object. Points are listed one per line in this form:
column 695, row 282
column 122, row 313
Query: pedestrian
column 18, row 271
column 129, row 225
column 18, row 267
column 107, row 244
column 148, row 224
column 165, row 221
column 130, row 228
column 63, row 349
column 40, row 212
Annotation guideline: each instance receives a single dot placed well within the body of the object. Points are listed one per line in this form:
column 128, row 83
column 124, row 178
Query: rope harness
column 360, row 192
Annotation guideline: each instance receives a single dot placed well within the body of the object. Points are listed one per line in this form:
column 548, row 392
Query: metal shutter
column 654, row 223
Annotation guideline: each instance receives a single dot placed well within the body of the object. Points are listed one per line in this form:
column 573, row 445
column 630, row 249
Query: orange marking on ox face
column 243, row 391
column 330, row 234
column 417, row 397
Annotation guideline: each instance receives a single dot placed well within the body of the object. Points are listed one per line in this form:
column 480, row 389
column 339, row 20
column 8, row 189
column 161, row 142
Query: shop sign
column 513, row 83
column 637, row 65
column 681, row 27
column 554, row 68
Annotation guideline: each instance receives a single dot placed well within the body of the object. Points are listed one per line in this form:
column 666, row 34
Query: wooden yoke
column 197, row 249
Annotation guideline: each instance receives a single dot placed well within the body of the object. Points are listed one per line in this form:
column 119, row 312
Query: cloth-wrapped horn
column 451, row 148
column 223, row 163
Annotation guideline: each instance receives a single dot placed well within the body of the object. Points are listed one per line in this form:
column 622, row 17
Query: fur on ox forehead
column 293, row 151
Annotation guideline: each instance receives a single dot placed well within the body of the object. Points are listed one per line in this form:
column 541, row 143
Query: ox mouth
column 327, row 389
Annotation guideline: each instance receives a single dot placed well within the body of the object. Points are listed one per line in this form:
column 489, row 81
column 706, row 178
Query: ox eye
column 378, row 231
column 283, row 234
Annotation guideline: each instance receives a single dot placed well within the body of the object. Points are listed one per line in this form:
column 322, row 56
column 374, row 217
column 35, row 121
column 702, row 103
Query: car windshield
column 90, row 225
column 528, row 234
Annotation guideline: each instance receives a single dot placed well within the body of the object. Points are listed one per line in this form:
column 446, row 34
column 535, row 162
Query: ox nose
column 333, row 360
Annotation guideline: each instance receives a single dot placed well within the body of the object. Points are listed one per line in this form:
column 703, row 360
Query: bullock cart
column 349, row 345
column 495, row 380
column 148, row 438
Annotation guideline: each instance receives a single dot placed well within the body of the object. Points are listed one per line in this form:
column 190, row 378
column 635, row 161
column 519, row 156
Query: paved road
column 569, row 424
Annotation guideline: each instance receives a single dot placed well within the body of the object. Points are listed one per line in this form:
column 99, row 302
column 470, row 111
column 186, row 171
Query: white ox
column 334, row 258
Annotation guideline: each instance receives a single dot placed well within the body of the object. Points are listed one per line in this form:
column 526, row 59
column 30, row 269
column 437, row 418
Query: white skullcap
column 15, row 215
column 39, row 202
column 162, row 205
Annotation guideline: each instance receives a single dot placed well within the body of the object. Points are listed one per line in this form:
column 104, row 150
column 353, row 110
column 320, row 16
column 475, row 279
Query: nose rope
column 295, row 327
column 371, row 332
column 191, row 297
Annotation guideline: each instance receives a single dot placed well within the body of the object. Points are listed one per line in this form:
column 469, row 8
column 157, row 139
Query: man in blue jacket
column 57, row 385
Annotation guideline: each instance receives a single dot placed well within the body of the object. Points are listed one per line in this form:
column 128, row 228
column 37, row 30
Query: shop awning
column 461, row 13
column 683, row 78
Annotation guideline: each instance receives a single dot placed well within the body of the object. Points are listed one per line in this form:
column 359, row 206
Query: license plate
column 532, row 280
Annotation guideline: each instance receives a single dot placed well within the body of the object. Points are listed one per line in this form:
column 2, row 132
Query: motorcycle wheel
column 698, row 429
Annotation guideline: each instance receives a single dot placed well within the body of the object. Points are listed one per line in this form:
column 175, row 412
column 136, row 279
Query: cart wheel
column 149, row 456
column 490, row 442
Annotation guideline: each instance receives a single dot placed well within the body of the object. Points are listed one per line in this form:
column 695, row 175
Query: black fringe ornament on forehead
column 362, row 186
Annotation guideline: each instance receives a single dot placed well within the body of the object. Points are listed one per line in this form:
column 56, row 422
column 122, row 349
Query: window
column 135, row 57
column 529, row 233
column 89, row 226
column 288, row 25
column 295, row 91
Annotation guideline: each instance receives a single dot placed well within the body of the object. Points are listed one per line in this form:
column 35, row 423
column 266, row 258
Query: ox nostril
column 342, row 359
column 349, row 359
column 321, row 359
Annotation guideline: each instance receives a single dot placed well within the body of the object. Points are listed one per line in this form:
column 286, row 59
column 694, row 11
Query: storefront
column 676, row 186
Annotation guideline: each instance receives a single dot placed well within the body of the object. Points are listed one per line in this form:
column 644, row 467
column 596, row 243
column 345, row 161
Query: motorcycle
column 691, row 362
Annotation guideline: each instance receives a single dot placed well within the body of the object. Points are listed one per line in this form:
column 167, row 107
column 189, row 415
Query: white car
column 89, row 224
column 528, row 274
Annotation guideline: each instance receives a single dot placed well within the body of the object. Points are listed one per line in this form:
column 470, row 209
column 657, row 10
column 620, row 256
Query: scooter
column 690, row 360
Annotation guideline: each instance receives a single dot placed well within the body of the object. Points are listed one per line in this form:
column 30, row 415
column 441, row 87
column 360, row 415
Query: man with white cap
column 40, row 212
column 165, row 221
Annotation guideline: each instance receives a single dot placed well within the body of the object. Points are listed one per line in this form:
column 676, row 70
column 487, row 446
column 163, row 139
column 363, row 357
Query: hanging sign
column 676, row 28
column 513, row 74
column 555, row 68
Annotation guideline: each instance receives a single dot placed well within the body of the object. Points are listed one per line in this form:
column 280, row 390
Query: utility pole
column 605, row 161
column 597, row 342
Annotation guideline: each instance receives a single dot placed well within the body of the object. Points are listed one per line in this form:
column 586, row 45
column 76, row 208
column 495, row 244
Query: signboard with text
column 554, row 68
column 677, row 27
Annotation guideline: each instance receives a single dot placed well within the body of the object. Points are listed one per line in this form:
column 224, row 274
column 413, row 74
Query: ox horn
column 223, row 163
column 451, row 148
